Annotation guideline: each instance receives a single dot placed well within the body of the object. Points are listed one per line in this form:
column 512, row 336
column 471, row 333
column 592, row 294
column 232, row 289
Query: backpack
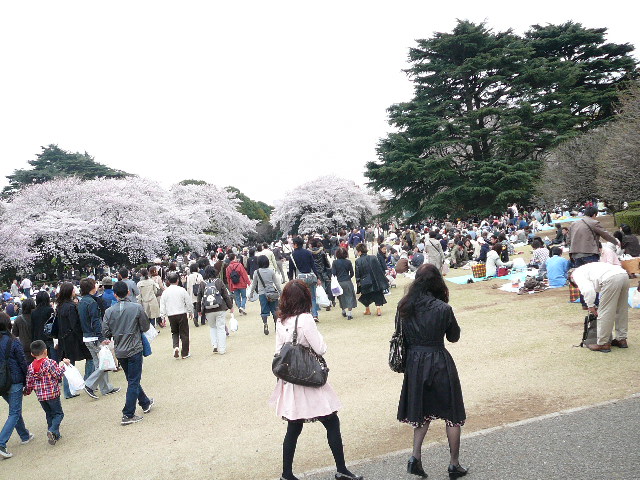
column 5, row 371
column 211, row 297
column 235, row 276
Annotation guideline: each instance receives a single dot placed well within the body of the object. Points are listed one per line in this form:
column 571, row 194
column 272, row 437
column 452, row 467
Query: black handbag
column 299, row 365
column 397, row 349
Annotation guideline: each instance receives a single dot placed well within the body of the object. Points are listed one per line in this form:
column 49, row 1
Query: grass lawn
column 211, row 419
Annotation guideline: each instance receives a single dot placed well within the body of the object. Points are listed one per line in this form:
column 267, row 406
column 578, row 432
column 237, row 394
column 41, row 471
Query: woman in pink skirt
column 298, row 404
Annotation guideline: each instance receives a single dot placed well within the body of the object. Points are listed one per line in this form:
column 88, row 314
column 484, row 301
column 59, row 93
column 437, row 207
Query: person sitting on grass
column 556, row 268
column 43, row 377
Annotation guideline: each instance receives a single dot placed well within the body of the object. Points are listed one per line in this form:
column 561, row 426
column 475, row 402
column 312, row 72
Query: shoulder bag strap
column 295, row 332
column 398, row 324
column 595, row 236
column 295, row 265
column 260, row 277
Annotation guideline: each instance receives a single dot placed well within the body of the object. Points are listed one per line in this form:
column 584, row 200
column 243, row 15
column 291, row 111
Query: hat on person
column 107, row 281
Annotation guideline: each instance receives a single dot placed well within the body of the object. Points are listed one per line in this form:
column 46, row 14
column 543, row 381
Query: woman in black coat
column 39, row 317
column 370, row 279
column 431, row 388
column 70, row 344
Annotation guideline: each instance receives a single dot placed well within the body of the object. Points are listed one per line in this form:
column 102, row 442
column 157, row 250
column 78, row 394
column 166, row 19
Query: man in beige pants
column 612, row 283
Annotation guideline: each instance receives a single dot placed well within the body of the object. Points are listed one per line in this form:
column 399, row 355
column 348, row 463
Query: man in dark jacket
column 125, row 322
column 302, row 264
column 91, row 323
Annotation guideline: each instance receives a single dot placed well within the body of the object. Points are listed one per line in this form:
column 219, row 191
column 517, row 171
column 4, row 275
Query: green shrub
column 631, row 218
column 634, row 205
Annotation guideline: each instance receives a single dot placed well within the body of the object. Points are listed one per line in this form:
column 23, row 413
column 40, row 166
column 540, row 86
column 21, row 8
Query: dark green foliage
column 631, row 218
column 486, row 106
column 54, row 162
column 255, row 210
column 192, row 182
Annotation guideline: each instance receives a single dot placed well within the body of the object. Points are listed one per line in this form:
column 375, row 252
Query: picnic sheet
column 463, row 279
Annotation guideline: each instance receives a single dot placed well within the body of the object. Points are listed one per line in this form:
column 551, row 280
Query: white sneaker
column 187, row 356
column 31, row 437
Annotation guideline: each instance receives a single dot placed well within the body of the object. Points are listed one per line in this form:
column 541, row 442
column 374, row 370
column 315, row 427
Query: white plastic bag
column 74, row 378
column 336, row 289
column 445, row 267
column 321, row 297
column 233, row 324
column 253, row 297
column 105, row 359
column 635, row 299
column 151, row 334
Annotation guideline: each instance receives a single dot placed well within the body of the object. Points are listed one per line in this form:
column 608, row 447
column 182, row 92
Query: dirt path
column 212, row 419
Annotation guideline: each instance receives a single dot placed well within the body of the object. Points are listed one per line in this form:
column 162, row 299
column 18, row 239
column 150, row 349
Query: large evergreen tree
column 486, row 106
column 55, row 162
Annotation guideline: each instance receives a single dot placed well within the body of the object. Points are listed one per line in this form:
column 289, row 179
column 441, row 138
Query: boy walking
column 44, row 376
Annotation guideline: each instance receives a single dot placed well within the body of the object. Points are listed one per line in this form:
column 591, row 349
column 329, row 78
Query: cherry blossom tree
column 326, row 203
column 67, row 221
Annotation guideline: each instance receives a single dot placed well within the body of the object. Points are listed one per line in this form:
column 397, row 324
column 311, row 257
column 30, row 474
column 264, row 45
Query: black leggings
column 294, row 429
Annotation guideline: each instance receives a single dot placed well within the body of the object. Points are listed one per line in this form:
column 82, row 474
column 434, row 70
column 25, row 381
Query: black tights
column 294, row 429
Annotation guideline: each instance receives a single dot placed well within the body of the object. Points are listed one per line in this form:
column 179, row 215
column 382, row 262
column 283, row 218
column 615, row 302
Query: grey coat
column 125, row 321
column 435, row 255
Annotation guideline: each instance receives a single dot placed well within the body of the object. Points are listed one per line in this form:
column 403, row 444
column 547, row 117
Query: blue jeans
column 27, row 292
column 54, row 413
column 240, row 296
column 314, row 305
column 132, row 367
column 578, row 262
column 266, row 307
column 14, row 398
column 88, row 370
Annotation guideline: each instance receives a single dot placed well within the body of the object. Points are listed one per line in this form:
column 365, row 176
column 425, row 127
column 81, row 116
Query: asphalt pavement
column 597, row 442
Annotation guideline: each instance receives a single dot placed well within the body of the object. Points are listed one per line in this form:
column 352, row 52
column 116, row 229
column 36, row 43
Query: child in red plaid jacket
column 43, row 377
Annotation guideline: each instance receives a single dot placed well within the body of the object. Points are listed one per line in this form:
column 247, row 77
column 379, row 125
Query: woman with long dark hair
column 431, row 388
column 298, row 404
column 22, row 327
column 18, row 372
column 70, row 343
column 39, row 317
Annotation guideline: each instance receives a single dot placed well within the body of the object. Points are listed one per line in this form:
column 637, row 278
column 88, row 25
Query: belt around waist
column 427, row 348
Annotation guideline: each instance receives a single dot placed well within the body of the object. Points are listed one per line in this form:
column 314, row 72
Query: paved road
column 601, row 442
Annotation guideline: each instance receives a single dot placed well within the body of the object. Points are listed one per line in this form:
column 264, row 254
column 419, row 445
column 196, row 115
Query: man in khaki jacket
column 583, row 240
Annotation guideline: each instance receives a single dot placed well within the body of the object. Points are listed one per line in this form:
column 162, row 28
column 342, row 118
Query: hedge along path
column 212, row 420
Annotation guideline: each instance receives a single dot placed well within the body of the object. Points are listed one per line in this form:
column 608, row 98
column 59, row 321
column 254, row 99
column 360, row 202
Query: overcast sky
column 262, row 95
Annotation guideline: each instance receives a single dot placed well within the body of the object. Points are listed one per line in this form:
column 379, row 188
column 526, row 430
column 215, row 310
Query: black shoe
column 90, row 392
column 196, row 323
column 265, row 329
column 111, row 392
column 414, row 466
column 457, row 471
column 344, row 476
column 129, row 420
column 344, row 314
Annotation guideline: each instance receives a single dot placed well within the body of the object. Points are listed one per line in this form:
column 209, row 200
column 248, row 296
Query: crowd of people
column 50, row 328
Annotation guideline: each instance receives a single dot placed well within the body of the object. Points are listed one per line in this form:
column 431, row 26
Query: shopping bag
column 479, row 270
column 74, row 378
column 336, row 289
column 105, row 359
column 634, row 298
column 321, row 297
column 233, row 324
column 254, row 296
column 151, row 334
